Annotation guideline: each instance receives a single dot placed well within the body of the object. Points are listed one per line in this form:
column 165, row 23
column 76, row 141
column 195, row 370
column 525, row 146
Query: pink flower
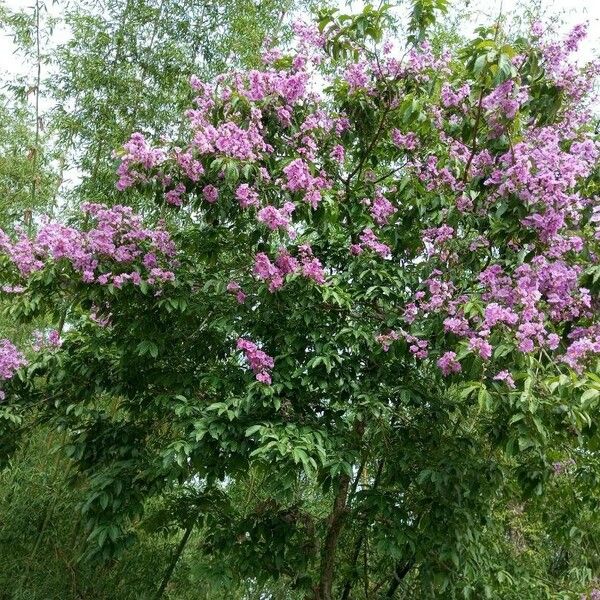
column 494, row 313
column 137, row 153
column 369, row 240
column 311, row 266
column 117, row 241
column 506, row 377
column 337, row 153
column 451, row 98
column 381, row 209
column 481, row 347
column 298, row 176
column 10, row 359
column 553, row 341
column 264, row 269
column 246, row 196
column 357, row 77
column 457, row 325
column 210, row 193
column 448, row 364
column 260, row 362
column 406, row 142
column 286, row 263
column 234, row 288
column 174, row 196
column 191, row 167
column 275, row 218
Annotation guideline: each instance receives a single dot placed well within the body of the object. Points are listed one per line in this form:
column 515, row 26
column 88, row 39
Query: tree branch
column 174, row 560
column 400, row 573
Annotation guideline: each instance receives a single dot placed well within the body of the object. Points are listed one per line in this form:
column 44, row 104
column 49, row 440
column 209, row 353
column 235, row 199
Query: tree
column 366, row 321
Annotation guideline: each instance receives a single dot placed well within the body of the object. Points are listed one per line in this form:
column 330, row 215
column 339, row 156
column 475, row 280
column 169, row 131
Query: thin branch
column 174, row 560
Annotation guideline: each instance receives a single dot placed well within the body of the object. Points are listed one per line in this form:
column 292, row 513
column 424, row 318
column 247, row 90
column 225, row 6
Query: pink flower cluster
column 173, row 196
column 190, row 166
column 231, row 140
column 246, row 196
column 46, row 339
column 338, row 153
column 370, row 241
column 381, row 209
column 539, row 294
column 534, row 301
column 308, row 34
column 407, row 141
column 278, row 218
column 448, row 364
column 260, row 362
column 506, row 377
column 418, row 347
column 117, row 249
column 503, row 103
column 299, row 178
column 357, row 76
column 435, row 239
column 10, row 361
column 137, row 153
column 233, row 287
column 542, row 173
column 285, row 264
column 452, row 98
column 210, row 193
column 262, row 86
column 584, row 342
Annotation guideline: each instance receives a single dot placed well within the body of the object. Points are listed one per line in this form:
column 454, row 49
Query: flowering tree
column 374, row 283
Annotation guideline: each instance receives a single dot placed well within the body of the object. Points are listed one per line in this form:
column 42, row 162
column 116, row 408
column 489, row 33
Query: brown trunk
column 336, row 522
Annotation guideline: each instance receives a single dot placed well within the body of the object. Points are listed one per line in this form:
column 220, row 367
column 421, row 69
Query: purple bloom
column 210, row 193
column 10, row 359
column 506, row 377
column 381, row 209
column 260, row 362
column 448, row 364
column 275, row 218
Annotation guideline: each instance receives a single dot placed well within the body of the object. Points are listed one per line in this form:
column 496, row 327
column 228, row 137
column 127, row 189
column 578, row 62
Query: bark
column 336, row 523
column 400, row 573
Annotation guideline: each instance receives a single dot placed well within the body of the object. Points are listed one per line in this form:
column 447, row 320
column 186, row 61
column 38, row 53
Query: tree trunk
column 336, row 522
